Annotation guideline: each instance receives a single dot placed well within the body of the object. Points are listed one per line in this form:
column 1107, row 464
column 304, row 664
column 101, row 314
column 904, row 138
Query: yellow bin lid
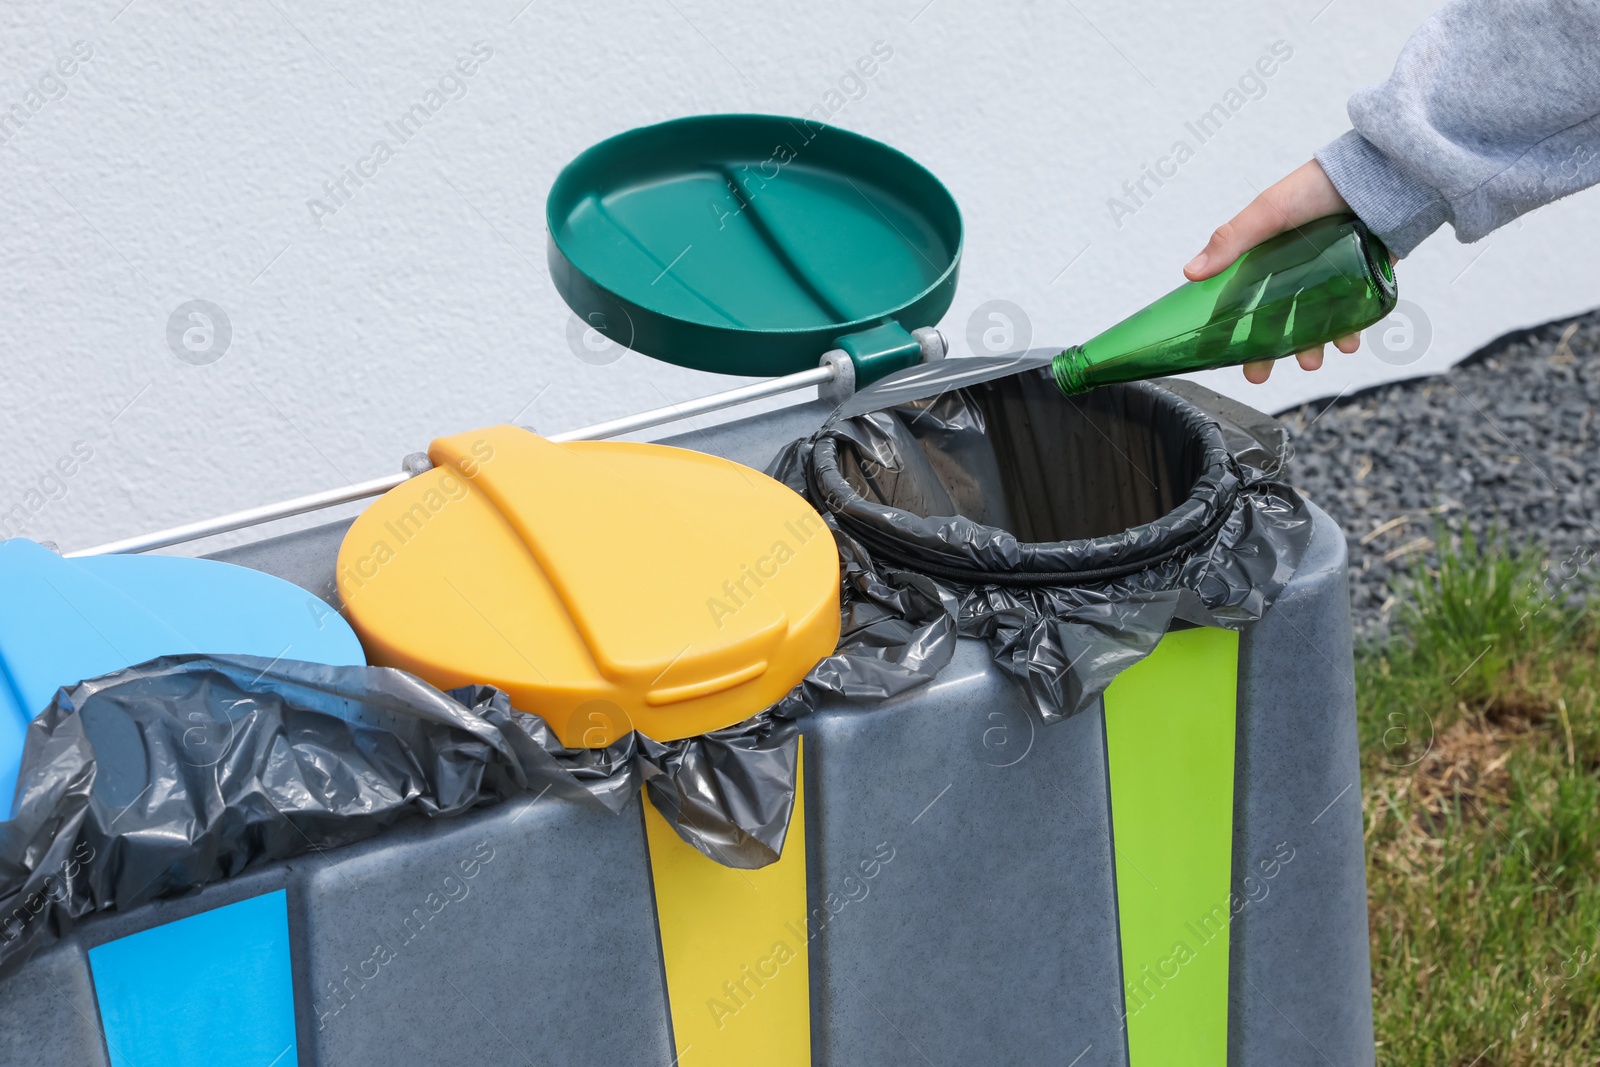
column 605, row 585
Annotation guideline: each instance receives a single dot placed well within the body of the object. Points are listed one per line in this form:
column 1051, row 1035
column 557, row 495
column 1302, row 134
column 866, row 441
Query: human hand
column 1305, row 194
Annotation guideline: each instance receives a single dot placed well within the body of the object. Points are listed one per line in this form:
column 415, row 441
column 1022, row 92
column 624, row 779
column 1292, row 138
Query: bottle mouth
column 1067, row 370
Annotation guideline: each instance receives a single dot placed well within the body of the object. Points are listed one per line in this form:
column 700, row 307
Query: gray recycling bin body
column 523, row 955
column 998, row 932
column 991, row 936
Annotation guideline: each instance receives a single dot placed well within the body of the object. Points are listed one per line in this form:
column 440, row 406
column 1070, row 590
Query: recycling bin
column 1172, row 874
column 1168, row 870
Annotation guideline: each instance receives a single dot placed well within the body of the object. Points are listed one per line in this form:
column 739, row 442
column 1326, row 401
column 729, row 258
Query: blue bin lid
column 67, row 620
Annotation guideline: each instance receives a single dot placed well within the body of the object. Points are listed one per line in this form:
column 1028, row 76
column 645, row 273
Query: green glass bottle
column 1295, row 291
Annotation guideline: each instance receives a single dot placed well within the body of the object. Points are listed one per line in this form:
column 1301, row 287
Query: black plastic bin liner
column 1071, row 533
column 187, row 770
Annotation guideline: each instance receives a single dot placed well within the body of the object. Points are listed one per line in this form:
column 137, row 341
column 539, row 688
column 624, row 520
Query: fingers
column 1305, row 194
column 1257, row 373
column 1311, row 359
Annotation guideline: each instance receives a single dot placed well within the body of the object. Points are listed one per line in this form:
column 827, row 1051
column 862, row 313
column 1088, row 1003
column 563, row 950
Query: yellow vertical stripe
column 734, row 946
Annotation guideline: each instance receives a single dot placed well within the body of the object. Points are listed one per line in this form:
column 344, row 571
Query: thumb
column 1259, row 220
column 1304, row 194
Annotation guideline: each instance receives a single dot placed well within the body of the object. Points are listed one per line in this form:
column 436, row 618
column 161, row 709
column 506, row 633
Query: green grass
column 1481, row 766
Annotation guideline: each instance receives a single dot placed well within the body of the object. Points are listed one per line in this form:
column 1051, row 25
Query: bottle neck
column 1068, row 369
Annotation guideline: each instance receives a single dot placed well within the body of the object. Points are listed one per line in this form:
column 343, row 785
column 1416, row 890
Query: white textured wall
column 177, row 162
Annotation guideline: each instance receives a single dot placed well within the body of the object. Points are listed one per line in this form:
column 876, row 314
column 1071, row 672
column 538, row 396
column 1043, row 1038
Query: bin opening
column 1069, row 533
column 1010, row 483
column 1044, row 466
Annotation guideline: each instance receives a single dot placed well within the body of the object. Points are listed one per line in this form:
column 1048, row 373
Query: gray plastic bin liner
column 186, row 770
column 1070, row 533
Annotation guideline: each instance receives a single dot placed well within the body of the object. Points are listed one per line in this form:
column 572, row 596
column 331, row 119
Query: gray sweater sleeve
column 1493, row 109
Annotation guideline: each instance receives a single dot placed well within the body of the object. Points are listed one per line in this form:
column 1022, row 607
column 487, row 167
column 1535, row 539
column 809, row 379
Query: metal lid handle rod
column 238, row 520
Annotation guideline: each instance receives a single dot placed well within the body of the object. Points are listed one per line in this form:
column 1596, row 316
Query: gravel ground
column 1509, row 441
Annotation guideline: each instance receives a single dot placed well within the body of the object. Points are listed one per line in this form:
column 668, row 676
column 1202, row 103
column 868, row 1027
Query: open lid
column 67, row 620
column 605, row 585
column 752, row 244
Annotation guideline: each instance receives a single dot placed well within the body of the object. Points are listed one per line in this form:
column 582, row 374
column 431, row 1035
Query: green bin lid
column 752, row 244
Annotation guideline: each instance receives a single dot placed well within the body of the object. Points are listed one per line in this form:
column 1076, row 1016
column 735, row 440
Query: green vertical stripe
column 1169, row 749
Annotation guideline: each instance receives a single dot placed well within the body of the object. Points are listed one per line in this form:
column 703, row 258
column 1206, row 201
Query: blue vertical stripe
column 212, row 990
